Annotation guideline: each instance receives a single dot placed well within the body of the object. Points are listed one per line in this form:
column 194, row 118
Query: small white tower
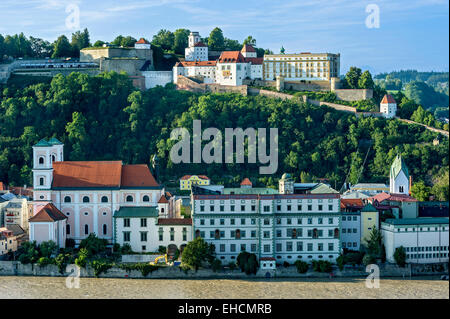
column 197, row 50
column 399, row 177
column 248, row 51
column 142, row 44
column 388, row 106
column 163, row 207
column 286, row 184
column 194, row 38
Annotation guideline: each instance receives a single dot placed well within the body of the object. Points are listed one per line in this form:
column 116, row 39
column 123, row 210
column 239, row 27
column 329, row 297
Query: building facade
column 187, row 181
column 197, row 50
column 287, row 227
column 425, row 239
column 301, row 67
column 49, row 224
column 388, row 106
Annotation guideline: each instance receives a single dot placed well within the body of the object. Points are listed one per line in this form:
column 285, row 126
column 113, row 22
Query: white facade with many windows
column 285, row 227
column 351, row 230
column 425, row 239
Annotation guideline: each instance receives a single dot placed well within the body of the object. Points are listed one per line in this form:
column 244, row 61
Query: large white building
column 301, row 67
column 197, row 50
column 90, row 193
column 286, row 227
column 425, row 239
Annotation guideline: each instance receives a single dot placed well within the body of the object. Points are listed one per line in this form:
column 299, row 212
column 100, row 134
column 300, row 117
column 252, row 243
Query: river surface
column 91, row 288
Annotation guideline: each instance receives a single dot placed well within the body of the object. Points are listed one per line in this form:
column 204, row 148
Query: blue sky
column 413, row 34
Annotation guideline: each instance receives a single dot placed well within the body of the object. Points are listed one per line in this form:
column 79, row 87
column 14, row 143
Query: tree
column 374, row 243
column 440, row 188
column 2, row 47
column 365, row 81
column 250, row 40
column 62, row 48
column 93, row 244
column 352, row 77
column 165, row 39
column 80, row 40
column 232, row 45
column 47, row 248
column 41, row 48
column 400, row 256
column 196, row 253
column 98, row 43
column 216, row 41
column 420, row 191
column 302, row 267
column 181, row 40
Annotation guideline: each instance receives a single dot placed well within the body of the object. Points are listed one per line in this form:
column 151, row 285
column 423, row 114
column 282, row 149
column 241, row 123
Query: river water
column 91, row 288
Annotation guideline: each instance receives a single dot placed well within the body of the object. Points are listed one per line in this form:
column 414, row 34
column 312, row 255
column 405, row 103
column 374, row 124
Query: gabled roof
column 254, row 61
column 163, row 200
column 48, row 213
column 393, row 197
column 137, row 175
column 89, row 174
column 185, row 177
column 16, row 229
column 397, row 166
column 388, row 99
column 231, row 57
column 43, row 143
column 175, row 221
column 248, row 48
column 142, row 41
column 200, row 44
column 246, row 182
column 351, row 203
column 380, row 197
column 126, row 212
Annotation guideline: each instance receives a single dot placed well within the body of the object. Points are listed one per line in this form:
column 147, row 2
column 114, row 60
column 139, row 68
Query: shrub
column 321, row 266
column 232, row 266
column 302, row 267
column 197, row 252
column 241, row 260
column 82, row 258
column 126, row 249
column 44, row 261
column 286, row 264
column 47, row 248
column 400, row 256
column 340, row 261
column 62, row 260
column 251, row 267
column 369, row 259
column 70, row 243
column 93, row 244
column 216, row 265
column 162, row 249
column 100, row 266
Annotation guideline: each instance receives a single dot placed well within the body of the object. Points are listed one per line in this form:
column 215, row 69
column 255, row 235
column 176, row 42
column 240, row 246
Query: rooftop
column 186, row 177
column 231, row 57
column 397, row 166
column 248, row 48
column 250, row 191
column 48, row 213
column 418, row 221
column 175, row 221
column 136, row 212
column 388, row 99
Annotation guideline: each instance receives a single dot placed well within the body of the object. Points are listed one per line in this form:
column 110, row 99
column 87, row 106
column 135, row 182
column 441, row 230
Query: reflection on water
column 52, row 287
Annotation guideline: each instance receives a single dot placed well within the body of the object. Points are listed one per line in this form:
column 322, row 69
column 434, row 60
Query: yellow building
column 188, row 180
column 369, row 220
column 302, row 66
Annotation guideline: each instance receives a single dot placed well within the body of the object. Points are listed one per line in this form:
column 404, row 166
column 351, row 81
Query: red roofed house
column 142, row 44
column 89, row 193
column 188, row 180
column 48, row 224
column 246, row 183
column 388, row 106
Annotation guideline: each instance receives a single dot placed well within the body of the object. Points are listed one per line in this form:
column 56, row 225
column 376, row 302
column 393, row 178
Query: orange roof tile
column 246, row 182
column 351, row 202
column 48, row 213
column 196, row 63
column 231, row 57
column 137, row 175
column 248, row 48
column 175, row 221
column 388, row 99
column 163, row 200
column 142, row 41
column 254, row 61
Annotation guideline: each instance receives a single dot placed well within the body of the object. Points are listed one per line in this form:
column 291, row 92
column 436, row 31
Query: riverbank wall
column 15, row 268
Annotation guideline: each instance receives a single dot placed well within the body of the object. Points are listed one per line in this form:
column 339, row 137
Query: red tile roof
column 142, row 41
column 163, row 200
column 101, row 174
column 254, row 61
column 248, row 48
column 185, row 177
column 388, row 99
column 246, row 182
column 200, row 44
column 392, row 197
column 175, row 221
column 21, row 191
column 231, row 57
column 196, row 63
column 48, row 213
column 351, row 202
column 137, row 176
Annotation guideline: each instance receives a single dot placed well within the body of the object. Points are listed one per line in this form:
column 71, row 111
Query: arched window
column 146, row 198
column 41, row 160
column 336, row 233
column 85, row 199
column 41, row 181
column 53, row 158
column 129, row 198
column 86, row 229
column 104, row 199
column 67, row 199
column 68, row 229
column 105, row 229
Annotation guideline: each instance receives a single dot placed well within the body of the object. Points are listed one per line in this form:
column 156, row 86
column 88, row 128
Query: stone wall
column 131, row 66
column 15, row 268
column 271, row 94
column 353, row 95
column 185, row 83
column 95, row 55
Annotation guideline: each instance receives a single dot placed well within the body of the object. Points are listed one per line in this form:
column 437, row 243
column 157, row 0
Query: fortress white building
column 388, row 106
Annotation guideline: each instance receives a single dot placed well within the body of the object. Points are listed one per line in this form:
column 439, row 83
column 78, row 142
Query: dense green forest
column 105, row 118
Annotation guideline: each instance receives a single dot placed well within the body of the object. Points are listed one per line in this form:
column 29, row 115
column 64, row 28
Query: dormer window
column 86, row 199
column 67, row 199
column 104, row 199
column 129, row 198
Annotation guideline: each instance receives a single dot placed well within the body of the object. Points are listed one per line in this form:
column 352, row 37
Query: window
column 222, row 221
column 172, row 234
column 278, row 247
column 41, row 161
column 309, row 207
column 253, row 247
column 266, row 234
column 330, row 220
column 104, row 213
column 143, row 222
column 253, row 234
column 278, row 233
column 330, row 207
column 320, row 247
column 184, row 233
column 289, row 246
column 67, row 199
column 266, row 209
column 41, row 181
column 233, row 247
column 299, row 221
column 129, row 198
column 253, row 221
column 320, row 220
column 143, row 236
column 104, row 199
column 266, row 221
column 211, row 208
column 222, row 248
column 299, row 246
column 202, row 222
column 144, row 247
column 232, row 221
column 86, row 229
column 222, row 208
column 232, row 208
column 253, row 208
column 126, row 236
column 243, row 247
column 310, row 247
column 202, row 208
column 211, row 222
column 161, row 234
column 320, row 207
column 85, row 199
column 68, row 229
column 126, row 222
column 289, row 221
column 309, row 221
column 242, row 208
column 145, row 198
column 105, row 229
column 400, row 189
column 267, row 248
column 242, row 221
column 86, row 213
column 299, row 207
